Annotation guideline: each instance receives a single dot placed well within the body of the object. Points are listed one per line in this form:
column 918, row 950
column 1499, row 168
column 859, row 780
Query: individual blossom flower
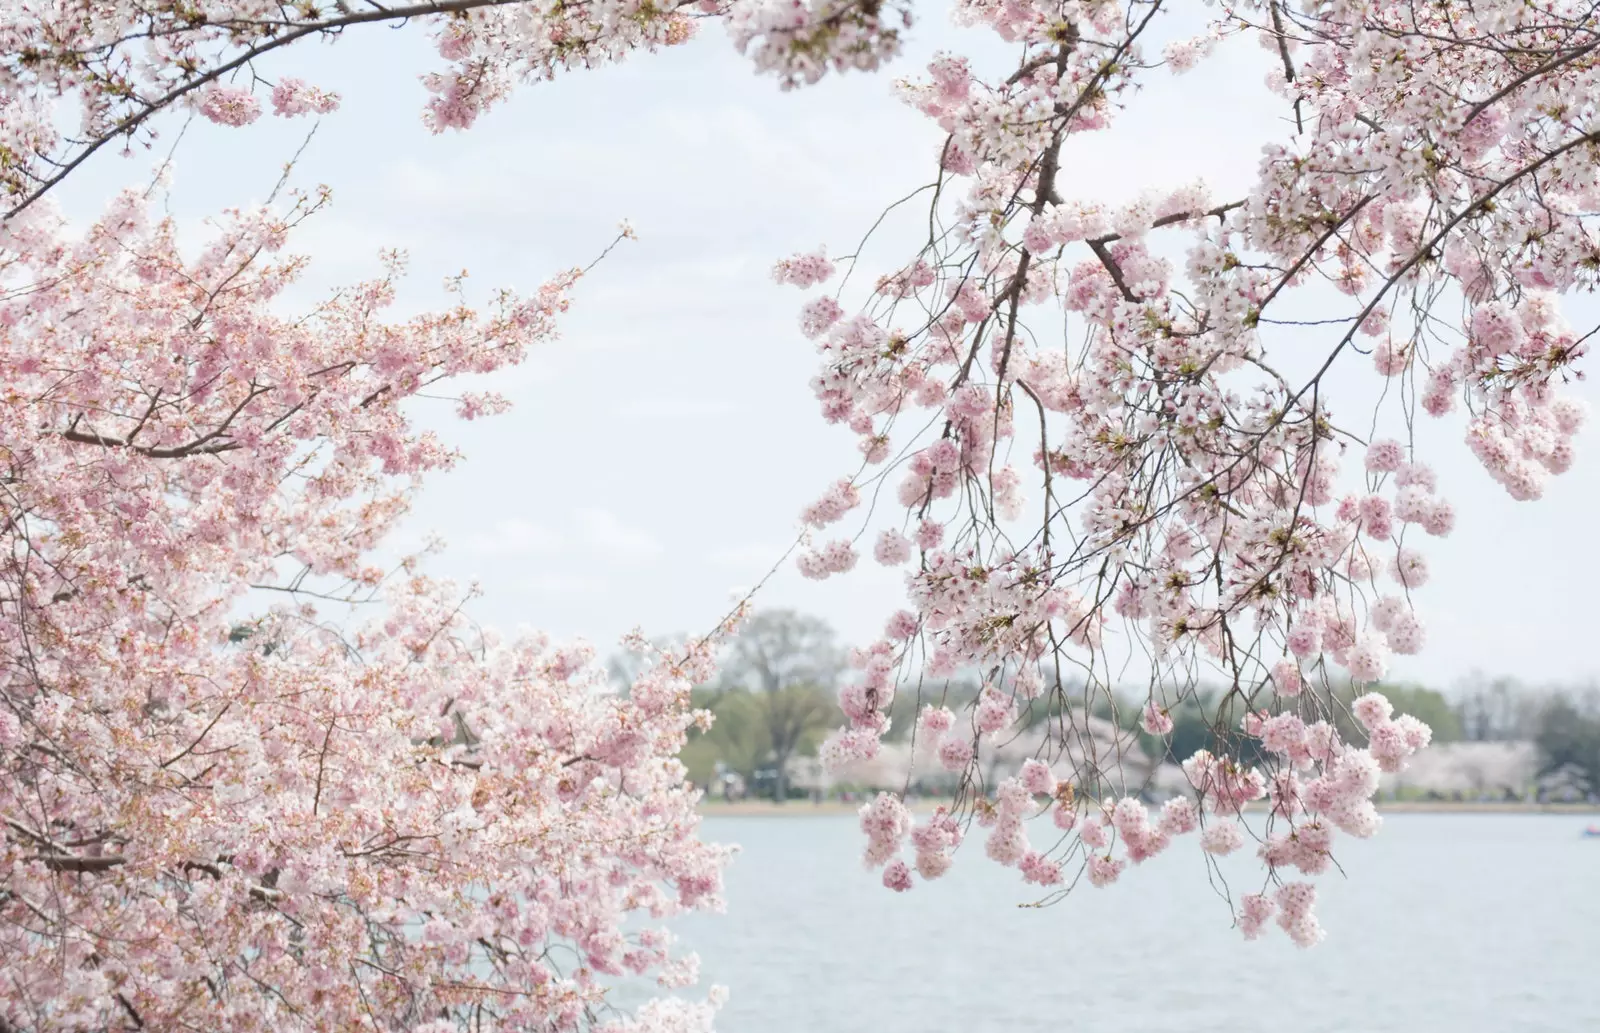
column 955, row 754
column 1418, row 475
column 1129, row 815
column 1181, row 55
column 803, row 271
column 1389, row 358
column 1286, row 678
column 1322, row 741
column 840, row 498
column 934, row 721
column 229, row 105
column 1413, row 504
column 1417, row 734
column 1410, row 568
column 932, row 864
column 1155, row 720
column 1179, row 816
column 1103, row 870
column 892, row 548
column 1252, row 722
column 838, row 556
column 1570, row 414
column 886, row 823
column 1039, row 869
column 995, row 711
column 1440, row 520
column 818, row 314
column 897, row 876
column 811, row 565
column 1254, row 911
column 1375, row 509
column 1037, row 778
column 1385, row 456
column 1368, row 659
column 845, row 746
column 1303, row 640
column 1282, row 733
column 293, row 97
column 875, row 448
column 1013, row 798
column 1384, row 612
column 1387, row 744
column 1007, row 843
column 1295, row 902
column 902, row 626
column 1372, row 710
column 1406, row 634
column 1221, row 838
column 1496, row 328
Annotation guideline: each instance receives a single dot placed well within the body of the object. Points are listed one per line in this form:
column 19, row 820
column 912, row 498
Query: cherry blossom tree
column 1107, row 441
column 1099, row 425
column 273, row 822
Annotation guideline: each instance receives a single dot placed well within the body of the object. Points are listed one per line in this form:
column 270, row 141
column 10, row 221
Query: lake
column 1447, row 923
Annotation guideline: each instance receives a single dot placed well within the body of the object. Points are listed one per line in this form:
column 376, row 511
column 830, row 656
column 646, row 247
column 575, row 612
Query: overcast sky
column 658, row 455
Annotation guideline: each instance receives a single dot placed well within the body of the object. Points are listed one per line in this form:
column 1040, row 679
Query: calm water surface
column 1447, row 924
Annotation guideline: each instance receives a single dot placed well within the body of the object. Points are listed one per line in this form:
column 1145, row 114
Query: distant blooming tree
column 271, row 823
column 1109, row 430
column 789, row 662
column 215, row 822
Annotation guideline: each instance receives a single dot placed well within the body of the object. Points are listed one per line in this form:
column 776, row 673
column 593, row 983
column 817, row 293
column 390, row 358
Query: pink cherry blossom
column 1036, row 776
column 1221, row 837
column 1385, row 456
column 229, row 105
column 892, row 548
column 1155, row 720
column 1162, row 485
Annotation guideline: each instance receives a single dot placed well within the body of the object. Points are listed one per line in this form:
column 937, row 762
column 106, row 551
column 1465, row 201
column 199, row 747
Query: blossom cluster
column 219, row 807
column 1156, row 487
column 1188, row 503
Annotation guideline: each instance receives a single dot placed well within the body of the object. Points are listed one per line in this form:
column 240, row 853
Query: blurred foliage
column 1429, row 706
column 741, row 736
column 775, row 700
column 1568, row 737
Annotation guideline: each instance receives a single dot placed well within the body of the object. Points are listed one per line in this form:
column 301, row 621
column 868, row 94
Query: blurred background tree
column 775, row 700
column 786, row 666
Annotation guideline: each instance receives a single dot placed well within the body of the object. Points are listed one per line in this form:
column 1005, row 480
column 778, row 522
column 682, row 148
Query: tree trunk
column 780, row 783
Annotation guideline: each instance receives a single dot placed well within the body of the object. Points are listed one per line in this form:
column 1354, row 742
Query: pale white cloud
column 678, row 408
column 513, row 536
column 754, row 558
column 565, row 586
column 606, row 533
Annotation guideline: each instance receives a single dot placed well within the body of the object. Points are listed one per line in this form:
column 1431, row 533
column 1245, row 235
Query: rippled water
column 1448, row 923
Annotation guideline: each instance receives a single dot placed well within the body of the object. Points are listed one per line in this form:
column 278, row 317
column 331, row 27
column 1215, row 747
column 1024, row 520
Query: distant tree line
column 1564, row 722
column 775, row 700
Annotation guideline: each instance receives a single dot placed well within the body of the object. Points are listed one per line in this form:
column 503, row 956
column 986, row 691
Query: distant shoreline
column 833, row 808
